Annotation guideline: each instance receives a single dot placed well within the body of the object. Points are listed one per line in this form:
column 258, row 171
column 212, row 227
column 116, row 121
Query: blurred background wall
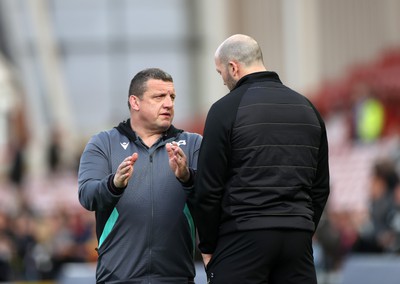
column 72, row 61
column 65, row 69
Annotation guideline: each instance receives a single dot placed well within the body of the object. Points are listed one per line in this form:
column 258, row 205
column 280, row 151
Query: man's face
column 156, row 107
column 223, row 70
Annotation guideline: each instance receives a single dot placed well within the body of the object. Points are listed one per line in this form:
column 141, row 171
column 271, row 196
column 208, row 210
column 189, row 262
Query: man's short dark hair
column 138, row 83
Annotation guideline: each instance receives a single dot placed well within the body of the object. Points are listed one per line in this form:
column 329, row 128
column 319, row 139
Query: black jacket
column 263, row 162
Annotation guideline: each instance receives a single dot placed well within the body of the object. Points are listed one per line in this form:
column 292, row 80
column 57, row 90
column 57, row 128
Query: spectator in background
column 6, row 248
column 24, row 238
column 377, row 235
column 329, row 238
column 368, row 115
column 54, row 150
column 394, row 220
column 18, row 141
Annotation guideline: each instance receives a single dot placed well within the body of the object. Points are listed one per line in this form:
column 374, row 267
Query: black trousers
column 263, row 257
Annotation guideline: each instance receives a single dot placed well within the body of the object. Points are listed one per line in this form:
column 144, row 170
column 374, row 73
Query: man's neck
column 148, row 137
column 150, row 140
column 252, row 69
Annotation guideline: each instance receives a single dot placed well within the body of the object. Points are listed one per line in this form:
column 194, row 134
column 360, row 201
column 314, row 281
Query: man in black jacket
column 263, row 175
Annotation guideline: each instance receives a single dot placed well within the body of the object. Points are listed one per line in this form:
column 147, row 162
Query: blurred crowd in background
column 42, row 225
column 362, row 113
column 72, row 60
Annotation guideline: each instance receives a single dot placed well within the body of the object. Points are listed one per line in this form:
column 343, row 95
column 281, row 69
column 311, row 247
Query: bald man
column 263, row 175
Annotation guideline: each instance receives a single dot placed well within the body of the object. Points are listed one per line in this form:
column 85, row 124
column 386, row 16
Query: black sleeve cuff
column 190, row 181
column 112, row 188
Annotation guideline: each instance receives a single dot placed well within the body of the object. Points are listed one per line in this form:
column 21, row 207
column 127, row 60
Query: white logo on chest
column 181, row 142
column 124, row 145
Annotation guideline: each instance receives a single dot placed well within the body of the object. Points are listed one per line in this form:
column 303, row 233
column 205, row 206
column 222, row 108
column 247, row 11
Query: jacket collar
column 125, row 129
column 258, row 76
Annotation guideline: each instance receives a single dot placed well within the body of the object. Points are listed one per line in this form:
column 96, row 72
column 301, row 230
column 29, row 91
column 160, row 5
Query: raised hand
column 125, row 171
column 178, row 161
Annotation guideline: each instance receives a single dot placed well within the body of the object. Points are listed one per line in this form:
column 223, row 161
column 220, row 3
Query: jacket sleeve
column 211, row 178
column 94, row 177
column 321, row 185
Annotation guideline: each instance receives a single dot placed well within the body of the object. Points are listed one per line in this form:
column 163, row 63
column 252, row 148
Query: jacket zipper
column 151, row 214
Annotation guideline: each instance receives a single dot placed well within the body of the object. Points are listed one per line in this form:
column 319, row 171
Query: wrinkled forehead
column 160, row 86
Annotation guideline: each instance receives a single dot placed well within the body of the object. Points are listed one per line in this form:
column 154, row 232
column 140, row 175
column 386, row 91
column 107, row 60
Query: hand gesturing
column 125, row 171
column 177, row 161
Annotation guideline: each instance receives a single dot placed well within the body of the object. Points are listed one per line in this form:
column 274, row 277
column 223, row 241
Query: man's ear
column 233, row 68
column 134, row 102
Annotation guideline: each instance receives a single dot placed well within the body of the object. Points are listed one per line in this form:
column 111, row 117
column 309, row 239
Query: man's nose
column 168, row 102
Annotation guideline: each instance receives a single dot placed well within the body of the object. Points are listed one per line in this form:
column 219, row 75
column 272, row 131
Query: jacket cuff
column 112, row 188
column 190, row 181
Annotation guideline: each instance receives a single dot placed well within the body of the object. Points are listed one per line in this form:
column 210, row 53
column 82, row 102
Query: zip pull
column 151, row 158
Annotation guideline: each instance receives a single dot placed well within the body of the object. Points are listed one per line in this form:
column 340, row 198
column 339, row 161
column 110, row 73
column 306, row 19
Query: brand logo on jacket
column 181, row 142
column 124, row 145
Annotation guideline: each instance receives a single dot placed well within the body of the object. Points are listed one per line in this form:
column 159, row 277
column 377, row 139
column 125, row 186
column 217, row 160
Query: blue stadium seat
column 371, row 269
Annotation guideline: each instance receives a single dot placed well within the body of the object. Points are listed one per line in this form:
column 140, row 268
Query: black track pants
column 263, row 256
